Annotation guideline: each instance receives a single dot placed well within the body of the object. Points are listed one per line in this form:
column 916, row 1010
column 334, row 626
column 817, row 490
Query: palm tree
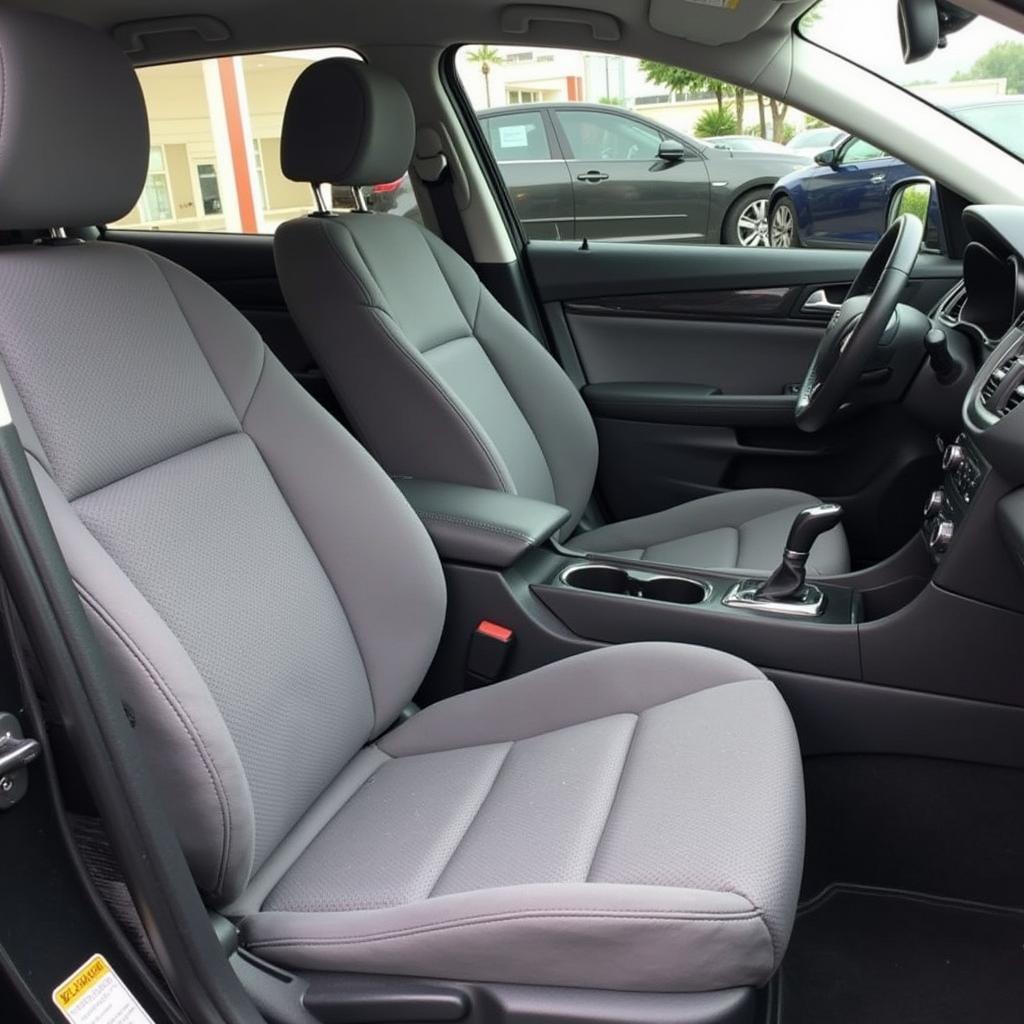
column 485, row 56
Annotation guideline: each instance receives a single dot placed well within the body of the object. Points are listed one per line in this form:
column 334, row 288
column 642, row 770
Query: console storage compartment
column 480, row 526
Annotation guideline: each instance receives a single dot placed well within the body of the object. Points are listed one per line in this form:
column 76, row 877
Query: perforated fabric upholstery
column 464, row 847
column 239, row 605
column 210, row 525
column 398, row 321
column 736, row 530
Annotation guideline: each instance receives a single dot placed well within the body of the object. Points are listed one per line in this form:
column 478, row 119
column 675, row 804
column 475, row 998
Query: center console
column 964, row 469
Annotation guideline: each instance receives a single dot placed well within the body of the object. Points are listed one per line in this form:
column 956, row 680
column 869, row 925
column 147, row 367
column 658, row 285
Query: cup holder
column 604, row 579
column 607, row 579
column 674, row 589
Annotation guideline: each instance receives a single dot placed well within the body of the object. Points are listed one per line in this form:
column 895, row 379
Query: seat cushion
column 743, row 530
column 630, row 819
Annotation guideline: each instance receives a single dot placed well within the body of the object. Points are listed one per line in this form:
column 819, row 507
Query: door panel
column 737, row 358
column 718, row 336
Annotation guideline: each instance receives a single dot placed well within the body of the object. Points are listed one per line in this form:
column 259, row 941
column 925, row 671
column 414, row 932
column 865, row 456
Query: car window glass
column 215, row 141
column 577, row 135
column 519, row 136
column 860, row 150
column 1002, row 122
column 596, row 135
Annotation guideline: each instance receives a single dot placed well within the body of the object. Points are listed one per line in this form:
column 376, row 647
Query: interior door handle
column 592, row 176
column 818, row 302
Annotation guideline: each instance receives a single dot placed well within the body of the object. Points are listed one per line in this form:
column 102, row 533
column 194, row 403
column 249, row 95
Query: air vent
column 992, row 385
column 1004, row 389
column 953, row 305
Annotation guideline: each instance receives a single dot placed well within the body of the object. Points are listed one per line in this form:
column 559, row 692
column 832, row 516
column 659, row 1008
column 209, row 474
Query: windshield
column 978, row 77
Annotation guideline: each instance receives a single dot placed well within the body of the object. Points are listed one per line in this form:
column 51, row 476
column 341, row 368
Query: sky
column 866, row 32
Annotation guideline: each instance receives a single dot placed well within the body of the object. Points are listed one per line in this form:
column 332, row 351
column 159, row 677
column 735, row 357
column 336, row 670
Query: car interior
column 407, row 618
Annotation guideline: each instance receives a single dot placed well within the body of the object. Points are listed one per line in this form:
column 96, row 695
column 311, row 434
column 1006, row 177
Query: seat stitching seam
column 505, row 483
column 476, row 524
column 195, row 335
column 323, row 569
column 332, row 243
column 415, row 362
column 548, row 732
column 476, row 814
column 255, row 388
column 615, row 797
column 153, row 465
column 566, row 913
column 186, row 721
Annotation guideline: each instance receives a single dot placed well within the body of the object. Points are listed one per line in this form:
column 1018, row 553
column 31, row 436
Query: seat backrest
column 267, row 599
column 438, row 379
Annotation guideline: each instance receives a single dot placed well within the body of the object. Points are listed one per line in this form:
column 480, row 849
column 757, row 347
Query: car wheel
column 784, row 232
column 746, row 223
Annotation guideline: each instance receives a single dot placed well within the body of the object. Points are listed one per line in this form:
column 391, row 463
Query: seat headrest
column 347, row 124
column 74, row 139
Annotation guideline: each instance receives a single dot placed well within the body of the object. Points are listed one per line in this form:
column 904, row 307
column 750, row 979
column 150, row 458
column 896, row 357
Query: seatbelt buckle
column 489, row 650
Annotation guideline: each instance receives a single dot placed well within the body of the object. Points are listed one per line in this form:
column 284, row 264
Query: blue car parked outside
column 841, row 202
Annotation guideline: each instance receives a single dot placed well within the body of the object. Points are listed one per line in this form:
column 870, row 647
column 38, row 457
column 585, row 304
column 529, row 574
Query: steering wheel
column 859, row 325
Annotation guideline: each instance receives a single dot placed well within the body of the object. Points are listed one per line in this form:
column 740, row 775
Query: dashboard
column 988, row 307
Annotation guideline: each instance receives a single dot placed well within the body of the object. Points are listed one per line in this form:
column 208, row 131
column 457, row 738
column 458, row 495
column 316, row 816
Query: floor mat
column 868, row 956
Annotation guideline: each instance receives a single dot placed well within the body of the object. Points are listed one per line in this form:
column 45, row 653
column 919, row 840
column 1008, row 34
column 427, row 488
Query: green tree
column 715, row 122
column 1004, row 60
column 486, row 57
column 680, row 80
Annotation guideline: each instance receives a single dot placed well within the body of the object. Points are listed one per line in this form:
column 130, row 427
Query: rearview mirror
column 916, row 196
column 826, row 158
column 671, row 150
column 925, row 24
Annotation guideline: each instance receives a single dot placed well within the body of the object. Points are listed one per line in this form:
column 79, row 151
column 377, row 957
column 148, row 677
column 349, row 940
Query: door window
column 860, row 150
column 209, row 190
column 519, row 136
column 596, row 136
column 609, row 114
column 215, row 162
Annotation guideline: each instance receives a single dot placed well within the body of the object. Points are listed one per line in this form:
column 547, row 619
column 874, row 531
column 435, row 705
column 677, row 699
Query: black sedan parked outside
column 580, row 170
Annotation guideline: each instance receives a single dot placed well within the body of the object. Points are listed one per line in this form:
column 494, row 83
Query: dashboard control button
column 941, row 536
column 933, row 506
column 952, row 458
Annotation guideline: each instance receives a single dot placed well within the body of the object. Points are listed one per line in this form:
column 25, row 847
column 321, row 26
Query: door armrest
column 480, row 526
column 687, row 404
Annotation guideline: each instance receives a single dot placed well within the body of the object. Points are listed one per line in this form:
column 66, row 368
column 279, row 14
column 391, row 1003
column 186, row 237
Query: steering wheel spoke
column 859, row 325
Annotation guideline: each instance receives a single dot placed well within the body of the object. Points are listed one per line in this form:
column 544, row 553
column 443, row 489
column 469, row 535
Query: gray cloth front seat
column 437, row 378
column 631, row 818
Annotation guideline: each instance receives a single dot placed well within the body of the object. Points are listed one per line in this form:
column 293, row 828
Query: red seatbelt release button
column 489, row 649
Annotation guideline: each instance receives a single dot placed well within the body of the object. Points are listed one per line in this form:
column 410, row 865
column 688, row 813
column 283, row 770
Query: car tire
column 783, row 229
column 746, row 223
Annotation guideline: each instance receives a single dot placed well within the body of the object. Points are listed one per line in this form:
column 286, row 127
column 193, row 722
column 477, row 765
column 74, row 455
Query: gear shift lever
column 788, row 579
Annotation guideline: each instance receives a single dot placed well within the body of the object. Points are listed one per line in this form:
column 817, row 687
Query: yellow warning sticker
column 94, row 994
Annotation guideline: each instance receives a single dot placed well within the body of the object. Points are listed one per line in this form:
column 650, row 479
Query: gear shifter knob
column 809, row 524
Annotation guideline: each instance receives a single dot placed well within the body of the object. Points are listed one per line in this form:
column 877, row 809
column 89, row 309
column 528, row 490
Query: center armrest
column 484, row 527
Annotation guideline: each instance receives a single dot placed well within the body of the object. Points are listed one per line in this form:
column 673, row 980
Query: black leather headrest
column 74, row 139
column 347, row 123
